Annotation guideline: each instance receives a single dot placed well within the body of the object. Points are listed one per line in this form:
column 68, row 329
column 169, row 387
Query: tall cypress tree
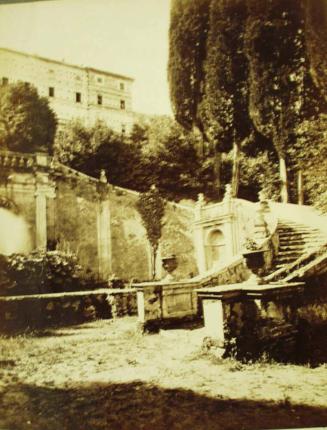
column 208, row 73
column 224, row 106
column 187, row 49
column 279, row 74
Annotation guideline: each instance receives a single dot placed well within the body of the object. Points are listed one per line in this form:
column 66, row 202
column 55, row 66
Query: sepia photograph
column 163, row 214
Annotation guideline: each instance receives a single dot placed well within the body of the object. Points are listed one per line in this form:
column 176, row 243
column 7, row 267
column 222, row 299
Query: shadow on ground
column 134, row 406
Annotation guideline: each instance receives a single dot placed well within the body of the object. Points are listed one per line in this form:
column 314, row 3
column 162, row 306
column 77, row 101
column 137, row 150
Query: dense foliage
column 158, row 151
column 27, row 123
column 260, row 76
column 151, row 207
column 41, row 272
column 188, row 34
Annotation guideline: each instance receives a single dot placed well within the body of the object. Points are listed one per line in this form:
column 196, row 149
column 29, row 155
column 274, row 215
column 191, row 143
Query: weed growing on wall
column 151, row 207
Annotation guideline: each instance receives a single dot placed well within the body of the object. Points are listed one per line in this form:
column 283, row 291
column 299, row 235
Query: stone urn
column 255, row 262
column 169, row 263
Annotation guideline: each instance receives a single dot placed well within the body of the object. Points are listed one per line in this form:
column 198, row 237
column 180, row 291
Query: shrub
column 42, row 272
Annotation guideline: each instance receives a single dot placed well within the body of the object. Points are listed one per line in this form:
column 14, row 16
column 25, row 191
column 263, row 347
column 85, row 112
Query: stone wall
column 36, row 312
column 95, row 220
column 75, row 227
column 130, row 247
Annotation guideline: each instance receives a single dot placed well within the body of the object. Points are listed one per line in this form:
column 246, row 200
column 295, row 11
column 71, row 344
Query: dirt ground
column 105, row 375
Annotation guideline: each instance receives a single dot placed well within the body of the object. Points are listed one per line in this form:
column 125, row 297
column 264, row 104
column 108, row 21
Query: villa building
column 73, row 91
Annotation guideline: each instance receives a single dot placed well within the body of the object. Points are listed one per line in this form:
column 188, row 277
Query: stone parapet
column 40, row 311
column 160, row 303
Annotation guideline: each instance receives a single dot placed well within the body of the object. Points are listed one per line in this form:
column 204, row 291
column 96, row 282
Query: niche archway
column 215, row 248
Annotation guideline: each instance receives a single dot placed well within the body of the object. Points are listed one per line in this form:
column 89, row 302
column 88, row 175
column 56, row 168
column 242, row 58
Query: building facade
column 73, row 91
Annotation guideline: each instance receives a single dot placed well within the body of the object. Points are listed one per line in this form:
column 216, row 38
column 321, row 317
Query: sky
column 128, row 37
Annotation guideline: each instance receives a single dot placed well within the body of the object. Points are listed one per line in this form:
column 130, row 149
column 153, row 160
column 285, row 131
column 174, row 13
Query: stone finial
column 200, row 200
column 262, row 195
column 103, row 177
column 263, row 200
column 228, row 192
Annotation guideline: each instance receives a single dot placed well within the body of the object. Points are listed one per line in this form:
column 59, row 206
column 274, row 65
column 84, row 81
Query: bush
column 42, row 272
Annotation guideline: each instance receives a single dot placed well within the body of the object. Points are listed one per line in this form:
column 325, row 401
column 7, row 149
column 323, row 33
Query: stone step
column 291, row 253
column 299, row 233
column 299, row 241
column 286, row 259
column 297, row 227
column 292, row 247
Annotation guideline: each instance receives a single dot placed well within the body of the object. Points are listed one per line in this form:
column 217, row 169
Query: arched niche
column 215, row 247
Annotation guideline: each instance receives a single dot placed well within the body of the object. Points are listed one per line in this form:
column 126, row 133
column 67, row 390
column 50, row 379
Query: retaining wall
column 35, row 312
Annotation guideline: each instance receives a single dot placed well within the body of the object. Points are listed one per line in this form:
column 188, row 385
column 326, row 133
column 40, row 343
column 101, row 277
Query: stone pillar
column 40, row 218
column 104, row 236
column 198, row 236
column 221, row 325
column 261, row 231
column 43, row 189
column 230, row 228
column 149, row 306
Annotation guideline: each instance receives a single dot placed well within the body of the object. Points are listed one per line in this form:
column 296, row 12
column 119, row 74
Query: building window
column 5, row 81
column 51, row 92
column 122, row 86
column 123, row 128
column 122, row 104
column 99, row 80
column 78, row 97
column 99, row 99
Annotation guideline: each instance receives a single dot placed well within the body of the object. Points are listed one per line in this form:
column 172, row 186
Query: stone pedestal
column 245, row 319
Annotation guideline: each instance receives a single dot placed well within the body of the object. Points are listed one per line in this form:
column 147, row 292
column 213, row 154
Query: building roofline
column 63, row 63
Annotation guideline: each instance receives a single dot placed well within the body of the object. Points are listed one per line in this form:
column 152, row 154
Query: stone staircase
column 295, row 240
column 299, row 245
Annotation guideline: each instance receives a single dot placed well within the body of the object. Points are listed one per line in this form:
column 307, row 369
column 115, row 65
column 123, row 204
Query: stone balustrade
column 17, row 160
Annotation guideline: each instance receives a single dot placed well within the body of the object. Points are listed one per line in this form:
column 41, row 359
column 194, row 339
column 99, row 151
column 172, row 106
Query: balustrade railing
column 17, row 160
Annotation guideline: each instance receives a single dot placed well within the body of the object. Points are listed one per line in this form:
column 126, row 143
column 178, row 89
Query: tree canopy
column 259, row 71
column 27, row 123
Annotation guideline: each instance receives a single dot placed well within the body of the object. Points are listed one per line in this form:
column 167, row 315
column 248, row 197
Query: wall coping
column 108, row 291
column 197, row 280
column 250, row 290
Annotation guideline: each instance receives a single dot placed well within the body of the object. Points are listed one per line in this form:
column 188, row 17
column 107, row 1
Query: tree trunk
column 236, row 169
column 300, row 191
column 283, row 179
column 217, row 171
column 154, row 260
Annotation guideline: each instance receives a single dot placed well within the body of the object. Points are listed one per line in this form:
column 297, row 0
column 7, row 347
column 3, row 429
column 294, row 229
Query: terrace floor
column 105, row 375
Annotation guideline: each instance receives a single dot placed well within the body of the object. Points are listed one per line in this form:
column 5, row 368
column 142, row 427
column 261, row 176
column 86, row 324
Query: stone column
column 198, row 236
column 43, row 189
column 104, row 242
column 40, row 218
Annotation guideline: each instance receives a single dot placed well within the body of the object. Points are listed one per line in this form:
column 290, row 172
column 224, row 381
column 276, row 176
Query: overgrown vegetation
column 151, row 207
column 42, row 272
column 252, row 79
